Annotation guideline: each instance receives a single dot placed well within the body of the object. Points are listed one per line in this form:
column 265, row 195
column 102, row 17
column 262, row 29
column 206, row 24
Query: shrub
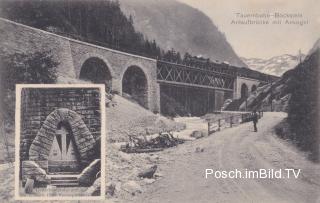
column 19, row 68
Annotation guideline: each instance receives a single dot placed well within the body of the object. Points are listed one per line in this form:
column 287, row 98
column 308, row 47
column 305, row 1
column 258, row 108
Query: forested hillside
column 99, row 21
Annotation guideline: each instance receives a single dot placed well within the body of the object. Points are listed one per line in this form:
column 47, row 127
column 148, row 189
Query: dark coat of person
column 255, row 117
column 255, row 121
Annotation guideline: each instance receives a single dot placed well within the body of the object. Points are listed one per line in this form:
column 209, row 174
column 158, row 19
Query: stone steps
column 64, row 181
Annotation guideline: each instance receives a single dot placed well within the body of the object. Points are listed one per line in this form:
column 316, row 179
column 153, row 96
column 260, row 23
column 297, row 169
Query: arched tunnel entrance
column 135, row 85
column 95, row 70
column 253, row 88
column 244, row 91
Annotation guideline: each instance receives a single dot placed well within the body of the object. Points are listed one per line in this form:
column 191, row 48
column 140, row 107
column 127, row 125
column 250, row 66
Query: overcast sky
column 264, row 41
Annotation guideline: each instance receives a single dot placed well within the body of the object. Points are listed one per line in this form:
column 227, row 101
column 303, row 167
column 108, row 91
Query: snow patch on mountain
column 274, row 66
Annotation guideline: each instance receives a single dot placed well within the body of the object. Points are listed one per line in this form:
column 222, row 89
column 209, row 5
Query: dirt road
column 183, row 169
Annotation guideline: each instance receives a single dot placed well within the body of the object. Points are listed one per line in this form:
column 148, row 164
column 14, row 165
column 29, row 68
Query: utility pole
column 271, row 97
column 300, row 56
column 246, row 103
column 246, row 96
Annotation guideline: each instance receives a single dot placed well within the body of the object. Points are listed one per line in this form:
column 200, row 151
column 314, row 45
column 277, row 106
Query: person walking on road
column 255, row 120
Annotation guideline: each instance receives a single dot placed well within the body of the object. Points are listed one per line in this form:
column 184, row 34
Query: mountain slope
column 176, row 25
column 274, row 66
column 315, row 47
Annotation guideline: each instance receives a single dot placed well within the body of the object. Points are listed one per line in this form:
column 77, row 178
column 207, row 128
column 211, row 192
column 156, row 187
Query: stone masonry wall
column 15, row 38
column 38, row 104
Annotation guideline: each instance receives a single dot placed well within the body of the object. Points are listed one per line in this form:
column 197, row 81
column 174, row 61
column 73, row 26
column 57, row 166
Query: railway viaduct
column 126, row 74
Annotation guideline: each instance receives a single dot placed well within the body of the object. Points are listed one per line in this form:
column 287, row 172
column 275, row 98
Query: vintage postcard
column 160, row 100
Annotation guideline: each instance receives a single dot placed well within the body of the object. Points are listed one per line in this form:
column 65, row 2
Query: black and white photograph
column 60, row 141
column 158, row 101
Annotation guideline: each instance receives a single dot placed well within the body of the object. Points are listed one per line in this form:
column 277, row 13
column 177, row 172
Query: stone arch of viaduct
column 118, row 63
column 72, row 54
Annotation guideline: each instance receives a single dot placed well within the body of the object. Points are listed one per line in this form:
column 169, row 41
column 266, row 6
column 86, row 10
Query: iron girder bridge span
column 182, row 75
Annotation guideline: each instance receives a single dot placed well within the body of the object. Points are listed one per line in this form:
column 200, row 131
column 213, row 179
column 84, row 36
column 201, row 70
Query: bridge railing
column 215, row 125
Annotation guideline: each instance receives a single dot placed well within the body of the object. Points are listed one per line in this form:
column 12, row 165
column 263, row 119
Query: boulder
column 132, row 187
column 124, row 157
column 149, row 180
column 94, row 189
column 197, row 134
column 148, row 173
column 110, row 189
column 199, row 149
column 31, row 170
column 152, row 158
column 28, row 188
column 158, row 175
column 88, row 175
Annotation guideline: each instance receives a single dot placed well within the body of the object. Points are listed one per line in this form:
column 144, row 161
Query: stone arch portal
column 84, row 142
column 253, row 88
column 244, row 91
column 97, row 71
column 135, row 85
